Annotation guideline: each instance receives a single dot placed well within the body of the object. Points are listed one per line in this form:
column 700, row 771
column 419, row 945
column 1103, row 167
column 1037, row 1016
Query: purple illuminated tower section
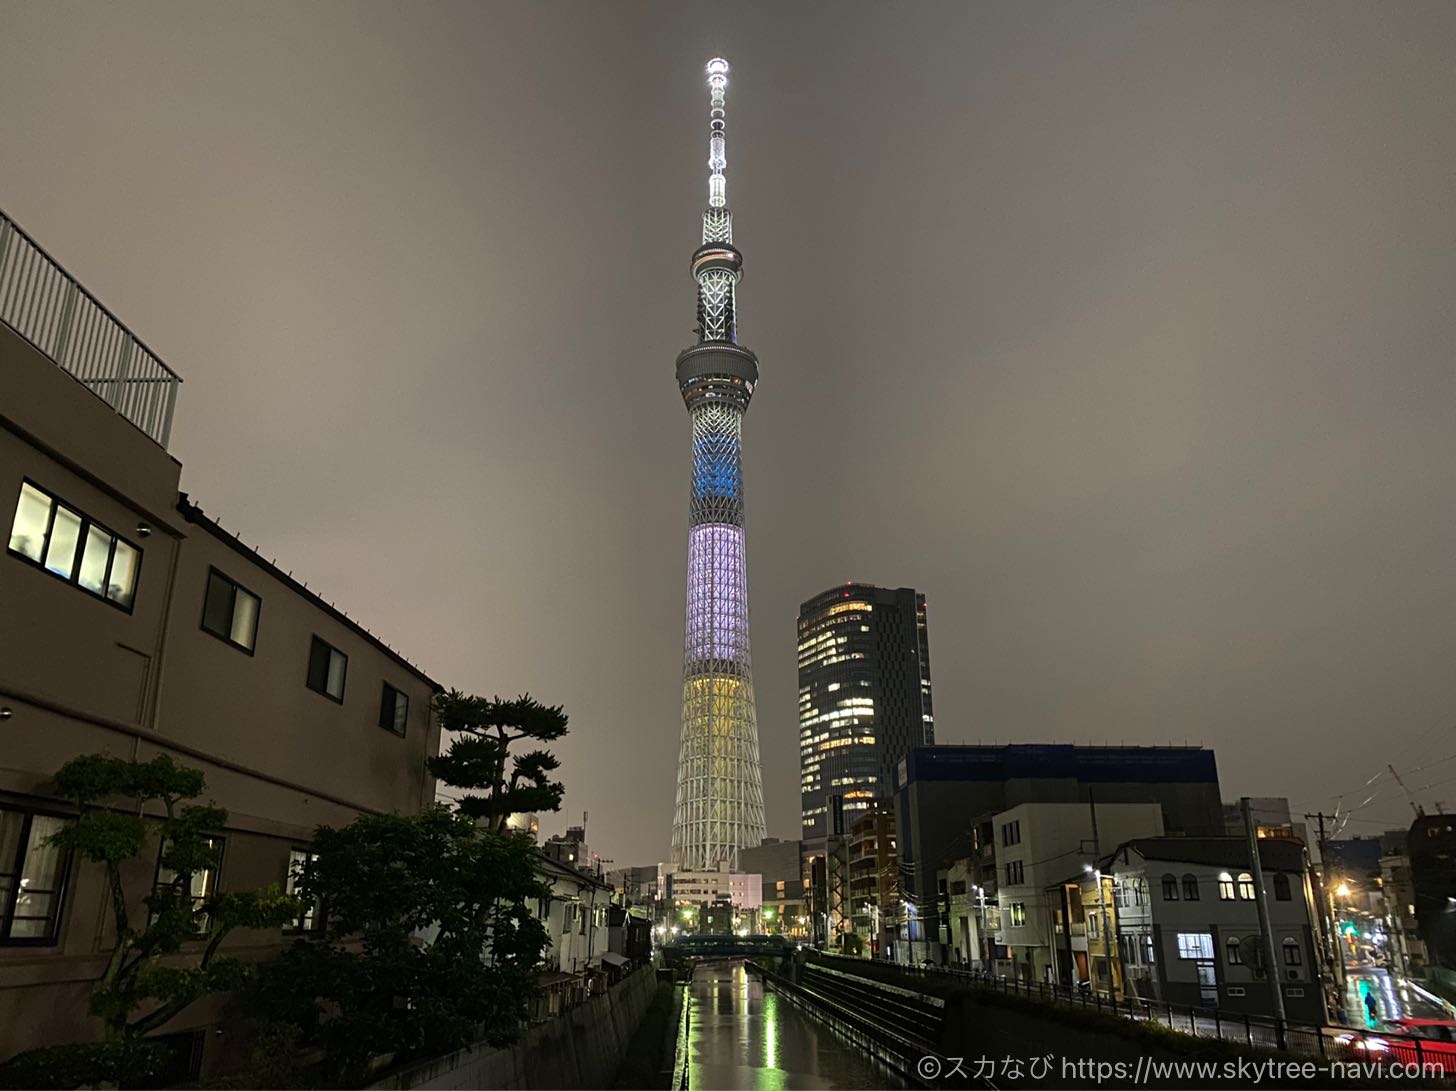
column 719, row 777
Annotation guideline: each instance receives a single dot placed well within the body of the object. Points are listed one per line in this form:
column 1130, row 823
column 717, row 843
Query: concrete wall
column 580, row 1049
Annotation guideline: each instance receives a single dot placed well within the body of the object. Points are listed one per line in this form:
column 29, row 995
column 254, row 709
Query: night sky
column 1125, row 333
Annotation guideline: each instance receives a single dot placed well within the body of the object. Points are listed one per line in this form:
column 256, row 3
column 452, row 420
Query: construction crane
column 1420, row 811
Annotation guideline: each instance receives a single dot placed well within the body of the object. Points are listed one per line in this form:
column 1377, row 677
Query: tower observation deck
column 719, row 776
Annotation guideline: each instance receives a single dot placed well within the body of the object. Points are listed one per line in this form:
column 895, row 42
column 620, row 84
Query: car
column 1430, row 1042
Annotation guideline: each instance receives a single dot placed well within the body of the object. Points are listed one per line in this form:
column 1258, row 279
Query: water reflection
column 742, row 1035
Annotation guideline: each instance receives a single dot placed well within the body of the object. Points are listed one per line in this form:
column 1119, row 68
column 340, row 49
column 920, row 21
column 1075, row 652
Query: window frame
column 1191, row 887
column 1231, row 945
column 1247, row 892
column 1205, row 951
column 63, row 879
column 217, row 840
column 1291, row 946
column 297, row 925
column 1226, row 887
column 226, row 638
column 400, row 695
column 83, row 532
column 1282, row 891
column 315, row 642
column 1170, row 887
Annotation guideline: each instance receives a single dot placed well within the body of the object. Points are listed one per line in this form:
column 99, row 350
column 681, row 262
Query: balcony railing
column 44, row 304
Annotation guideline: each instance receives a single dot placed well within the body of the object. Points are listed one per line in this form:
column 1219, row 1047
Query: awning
column 611, row 958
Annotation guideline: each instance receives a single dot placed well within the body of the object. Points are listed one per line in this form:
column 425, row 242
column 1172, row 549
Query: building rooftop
column 1231, row 852
column 1060, row 761
column 49, row 308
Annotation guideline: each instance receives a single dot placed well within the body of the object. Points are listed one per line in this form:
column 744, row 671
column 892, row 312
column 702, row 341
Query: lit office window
column 69, row 544
column 326, row 669
column 230, row 611
column 1195, row 945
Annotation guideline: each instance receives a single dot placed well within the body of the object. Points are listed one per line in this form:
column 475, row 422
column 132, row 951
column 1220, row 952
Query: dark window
column 1233, row 952
column 298, row 859
column 1292, row 956
column 230, row 611
column 393, row 710
column 1015, row 873
column 1011, row 833
column 1281, row 887
column 1190, row 888
column 203, row 886
column 32, row 877
column 58, row 538
column 326, row 668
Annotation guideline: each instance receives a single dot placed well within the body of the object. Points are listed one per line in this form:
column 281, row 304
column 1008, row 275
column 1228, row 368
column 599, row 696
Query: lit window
column 326, row 668
column 1246, row 887
column 1225, row 887
column 1195, row 945
column 70, row 545
column 1018, row 914
column 203, row 884
column 230, row 612
column 31, row 877
column 298, row 859
column 394, row 710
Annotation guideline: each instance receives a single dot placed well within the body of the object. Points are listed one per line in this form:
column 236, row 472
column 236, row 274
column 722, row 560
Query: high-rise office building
column 864, row 696
column 719, row 777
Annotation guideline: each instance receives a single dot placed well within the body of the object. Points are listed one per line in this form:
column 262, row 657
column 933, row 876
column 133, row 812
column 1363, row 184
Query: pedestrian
column 1370, row 1008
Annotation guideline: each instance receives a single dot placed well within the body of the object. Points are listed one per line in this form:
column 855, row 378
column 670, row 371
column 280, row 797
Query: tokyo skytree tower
column 719, row 777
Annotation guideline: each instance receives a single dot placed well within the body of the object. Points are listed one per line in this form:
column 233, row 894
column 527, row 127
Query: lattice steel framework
column 719, row 778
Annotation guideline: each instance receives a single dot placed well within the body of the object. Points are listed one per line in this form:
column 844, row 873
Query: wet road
column 741, row 1035
column 1395, row 998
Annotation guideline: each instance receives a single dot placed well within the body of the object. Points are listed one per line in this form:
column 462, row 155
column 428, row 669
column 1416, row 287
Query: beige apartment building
column 134, row 625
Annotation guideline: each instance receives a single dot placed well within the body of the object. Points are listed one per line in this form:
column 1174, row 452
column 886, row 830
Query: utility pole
column 1261, row 902
column 1102, row 907
column 1327, row 916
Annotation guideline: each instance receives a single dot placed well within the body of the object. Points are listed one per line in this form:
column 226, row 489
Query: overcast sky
column 1125, row 333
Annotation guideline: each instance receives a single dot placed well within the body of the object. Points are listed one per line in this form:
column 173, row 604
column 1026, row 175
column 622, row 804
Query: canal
column 743, row 1035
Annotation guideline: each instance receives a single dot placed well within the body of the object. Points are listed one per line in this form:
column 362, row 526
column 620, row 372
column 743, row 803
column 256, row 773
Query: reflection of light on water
column 770, row 1031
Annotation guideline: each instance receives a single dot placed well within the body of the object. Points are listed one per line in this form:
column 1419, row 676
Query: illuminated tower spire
column 719, row 776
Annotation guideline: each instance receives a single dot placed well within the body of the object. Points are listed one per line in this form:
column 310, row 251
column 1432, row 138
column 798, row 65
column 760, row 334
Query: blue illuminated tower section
column 719, row 777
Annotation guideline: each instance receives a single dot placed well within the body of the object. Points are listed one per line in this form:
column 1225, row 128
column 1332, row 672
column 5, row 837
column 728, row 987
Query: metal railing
column 45, row 305
column 1257, row 1032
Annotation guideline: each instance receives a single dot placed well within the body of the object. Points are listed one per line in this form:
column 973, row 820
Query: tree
column 151, row 974
column 425, row 942
column 476, row 761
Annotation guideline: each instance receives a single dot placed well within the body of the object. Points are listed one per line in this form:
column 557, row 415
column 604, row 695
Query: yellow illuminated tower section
column 719, row 776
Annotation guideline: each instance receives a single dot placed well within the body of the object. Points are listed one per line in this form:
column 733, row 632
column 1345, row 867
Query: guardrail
column 44, row 304
column 857, row 1025
column 1238, row 1028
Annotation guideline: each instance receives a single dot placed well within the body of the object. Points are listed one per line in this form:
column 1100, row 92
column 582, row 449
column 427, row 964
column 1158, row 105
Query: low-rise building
column 785, row 894
column 1183, row 926
column 137, row 626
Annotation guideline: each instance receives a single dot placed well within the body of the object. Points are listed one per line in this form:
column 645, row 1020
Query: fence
column 45, row 305
column 1238, row 1028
